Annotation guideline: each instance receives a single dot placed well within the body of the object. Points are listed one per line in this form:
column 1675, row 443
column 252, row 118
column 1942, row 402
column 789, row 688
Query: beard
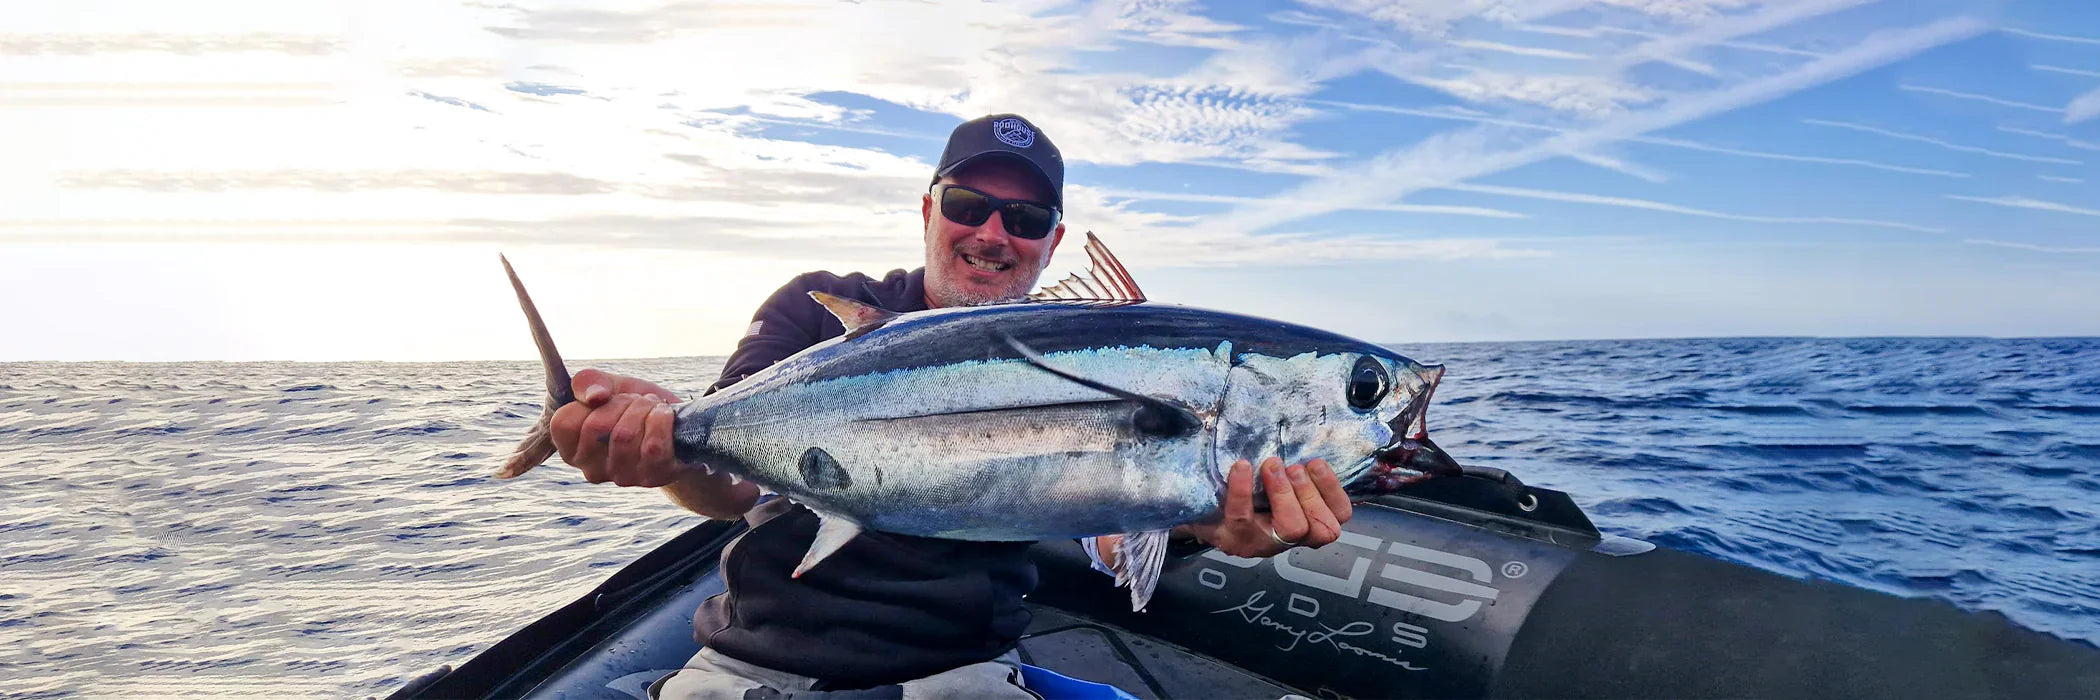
column 949, row 278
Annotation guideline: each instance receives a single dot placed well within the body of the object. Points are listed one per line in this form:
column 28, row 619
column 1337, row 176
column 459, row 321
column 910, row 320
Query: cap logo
column 1014, row 132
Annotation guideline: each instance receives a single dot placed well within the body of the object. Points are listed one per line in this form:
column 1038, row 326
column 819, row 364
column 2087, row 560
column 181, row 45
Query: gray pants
column 712, row 676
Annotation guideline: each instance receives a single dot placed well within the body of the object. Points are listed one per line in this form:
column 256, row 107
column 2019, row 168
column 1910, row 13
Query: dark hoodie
column 885, row 608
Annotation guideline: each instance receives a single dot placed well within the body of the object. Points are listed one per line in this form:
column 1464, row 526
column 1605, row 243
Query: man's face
column 976, row 264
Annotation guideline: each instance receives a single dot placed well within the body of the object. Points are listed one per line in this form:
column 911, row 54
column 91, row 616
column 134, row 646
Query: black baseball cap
column 1005, row 136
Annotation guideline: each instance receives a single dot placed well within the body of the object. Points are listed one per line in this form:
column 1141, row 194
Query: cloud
column 152, row 94
column 1551, row 30
column 1620, row 165
column 1631, row 203
column 183, row 44
column 2083, row 107
column 1141, row 196
column 1973, row 97
column 1613, row 163
column 542, row 89
column 667, row 21
column 2067, row 71
column 1741, row 45
column 449, row 68
column 1233, row 107
column 1853, row 162
column 1942, row 144
column 1512, row 49
column 1193, row 249
column 768, row 238
column 2053, row 178
column 454, row 101
column 1705, row 25
column 1436, row 17
column 1168, row 23
column 1584, row 95
column 2051, row 37
column 462, row 182
column 2029, row 246
column 2060, row 138
column 226, row 230
column 1650, row 140
column 1732, row 26
column 2018, row 202
column 1683, row 11
column 1452, row 157
column 1604, row 89
column 1172, row 123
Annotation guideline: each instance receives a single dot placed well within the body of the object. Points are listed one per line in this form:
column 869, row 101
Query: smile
column 986, row 265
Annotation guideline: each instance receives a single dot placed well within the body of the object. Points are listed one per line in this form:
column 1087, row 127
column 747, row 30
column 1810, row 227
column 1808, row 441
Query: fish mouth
column 1411, row 456
column 1406, row 461
column 1418, row 455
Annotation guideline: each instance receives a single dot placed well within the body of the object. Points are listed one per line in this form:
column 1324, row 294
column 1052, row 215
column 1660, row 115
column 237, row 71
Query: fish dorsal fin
column 1106, row 281
column 858, row 317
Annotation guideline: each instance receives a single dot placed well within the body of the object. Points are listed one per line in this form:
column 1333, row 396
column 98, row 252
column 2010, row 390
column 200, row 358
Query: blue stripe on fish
column 1051, row 328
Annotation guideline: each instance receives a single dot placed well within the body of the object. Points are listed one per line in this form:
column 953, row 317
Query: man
column 937, row 616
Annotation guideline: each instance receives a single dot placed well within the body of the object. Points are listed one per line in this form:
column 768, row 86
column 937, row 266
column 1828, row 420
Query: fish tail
column 538, row 444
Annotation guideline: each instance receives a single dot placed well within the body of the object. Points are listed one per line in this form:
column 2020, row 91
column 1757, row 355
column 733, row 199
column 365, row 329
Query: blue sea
column 298, row 529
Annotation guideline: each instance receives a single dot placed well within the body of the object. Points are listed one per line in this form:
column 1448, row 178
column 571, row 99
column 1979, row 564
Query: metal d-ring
column 1528, row 503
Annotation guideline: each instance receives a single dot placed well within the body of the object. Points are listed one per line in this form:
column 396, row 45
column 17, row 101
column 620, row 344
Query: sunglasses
column 1022, row 218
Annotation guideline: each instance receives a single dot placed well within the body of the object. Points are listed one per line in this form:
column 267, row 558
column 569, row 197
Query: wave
column 1920, row 409
column 1647, row 505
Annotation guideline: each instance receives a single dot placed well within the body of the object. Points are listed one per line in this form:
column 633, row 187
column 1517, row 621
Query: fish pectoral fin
column 833, row 532
column 1139, row 558
column 858, row 317
column 1154, row 417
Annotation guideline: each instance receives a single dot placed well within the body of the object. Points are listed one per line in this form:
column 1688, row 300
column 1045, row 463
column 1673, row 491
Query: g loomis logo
column 1399, row 587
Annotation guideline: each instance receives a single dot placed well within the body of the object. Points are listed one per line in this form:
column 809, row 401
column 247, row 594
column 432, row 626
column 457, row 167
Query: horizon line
column 573, row 361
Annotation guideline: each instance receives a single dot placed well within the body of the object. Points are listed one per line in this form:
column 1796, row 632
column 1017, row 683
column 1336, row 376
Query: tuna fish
column 1082, row 410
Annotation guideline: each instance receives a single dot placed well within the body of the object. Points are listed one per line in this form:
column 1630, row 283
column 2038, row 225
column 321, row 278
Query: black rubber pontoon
column 1464, row 587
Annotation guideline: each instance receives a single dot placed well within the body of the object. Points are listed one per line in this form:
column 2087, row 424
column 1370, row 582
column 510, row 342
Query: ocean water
column 288, row 529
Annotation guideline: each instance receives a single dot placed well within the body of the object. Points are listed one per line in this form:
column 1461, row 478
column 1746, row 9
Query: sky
column 298, row 180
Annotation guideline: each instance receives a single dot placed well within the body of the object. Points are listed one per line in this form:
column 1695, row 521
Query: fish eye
column 1367, row 383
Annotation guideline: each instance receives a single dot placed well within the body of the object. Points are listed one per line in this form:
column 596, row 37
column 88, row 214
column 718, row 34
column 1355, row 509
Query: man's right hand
column 618, row 430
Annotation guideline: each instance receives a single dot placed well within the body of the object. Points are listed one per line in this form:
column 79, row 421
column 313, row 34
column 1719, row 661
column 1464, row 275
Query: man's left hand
column 1307, row 508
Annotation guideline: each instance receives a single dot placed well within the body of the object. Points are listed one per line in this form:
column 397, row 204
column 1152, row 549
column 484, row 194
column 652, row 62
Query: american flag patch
column 756, row 326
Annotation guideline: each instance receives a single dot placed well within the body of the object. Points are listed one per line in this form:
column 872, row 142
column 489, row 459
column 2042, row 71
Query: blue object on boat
column 1056, row 686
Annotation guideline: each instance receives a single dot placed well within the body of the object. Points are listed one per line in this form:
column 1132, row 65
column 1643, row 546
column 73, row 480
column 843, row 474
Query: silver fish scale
column 996, row 450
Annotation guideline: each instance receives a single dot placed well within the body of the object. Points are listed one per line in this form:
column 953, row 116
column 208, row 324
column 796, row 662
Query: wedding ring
column 1279, row 538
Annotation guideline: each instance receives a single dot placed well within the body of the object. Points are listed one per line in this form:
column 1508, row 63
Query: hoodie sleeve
column 787, row 323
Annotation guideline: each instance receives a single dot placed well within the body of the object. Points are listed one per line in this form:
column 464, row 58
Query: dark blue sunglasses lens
column 972, row 208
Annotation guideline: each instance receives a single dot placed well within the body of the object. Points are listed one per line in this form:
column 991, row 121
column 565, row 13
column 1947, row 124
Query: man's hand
column 618, row 430
column 1307, row 508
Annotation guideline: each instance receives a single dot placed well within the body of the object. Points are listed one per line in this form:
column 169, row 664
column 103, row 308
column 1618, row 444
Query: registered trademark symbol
column 1515, row 569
